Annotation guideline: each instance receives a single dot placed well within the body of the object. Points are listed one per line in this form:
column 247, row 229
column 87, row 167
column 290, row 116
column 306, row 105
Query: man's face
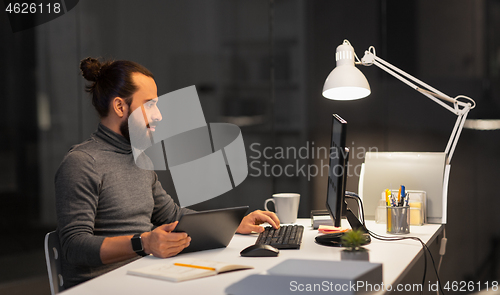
column 145, row 100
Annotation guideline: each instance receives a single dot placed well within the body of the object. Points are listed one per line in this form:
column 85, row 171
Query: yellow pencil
column 194, row 266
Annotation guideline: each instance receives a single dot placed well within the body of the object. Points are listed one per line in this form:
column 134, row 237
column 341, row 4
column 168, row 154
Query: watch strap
column 137, row 245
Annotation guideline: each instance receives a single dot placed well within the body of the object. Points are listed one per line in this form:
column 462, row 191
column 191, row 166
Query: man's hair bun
column 110, row 79
column 91, row 69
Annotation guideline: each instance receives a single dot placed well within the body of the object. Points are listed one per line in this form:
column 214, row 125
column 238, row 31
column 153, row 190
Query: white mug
column 286, row 205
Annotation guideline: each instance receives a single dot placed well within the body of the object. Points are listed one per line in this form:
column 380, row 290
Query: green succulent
column 354, row 239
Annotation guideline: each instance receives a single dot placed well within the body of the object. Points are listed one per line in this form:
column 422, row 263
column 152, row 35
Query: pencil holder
column 398, row 220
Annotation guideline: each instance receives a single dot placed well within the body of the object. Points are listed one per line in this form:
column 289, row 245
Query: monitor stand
column 335, row 239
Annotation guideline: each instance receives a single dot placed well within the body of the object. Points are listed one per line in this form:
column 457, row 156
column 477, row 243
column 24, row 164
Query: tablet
column 210, row 229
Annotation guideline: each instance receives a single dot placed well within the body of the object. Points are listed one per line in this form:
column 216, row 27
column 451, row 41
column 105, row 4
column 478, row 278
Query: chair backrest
column 53, row 260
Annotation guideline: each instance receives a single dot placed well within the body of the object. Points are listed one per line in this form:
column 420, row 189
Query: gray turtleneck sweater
column 100, row 192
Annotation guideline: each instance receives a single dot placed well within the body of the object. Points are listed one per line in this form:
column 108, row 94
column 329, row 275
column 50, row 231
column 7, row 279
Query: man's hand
column 250, row 223
column 163, row 243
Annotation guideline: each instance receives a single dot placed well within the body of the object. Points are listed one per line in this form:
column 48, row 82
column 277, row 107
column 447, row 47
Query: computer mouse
column 260, row 250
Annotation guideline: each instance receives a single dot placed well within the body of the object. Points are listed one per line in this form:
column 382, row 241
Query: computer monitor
column 339, row 155
column 337, row 179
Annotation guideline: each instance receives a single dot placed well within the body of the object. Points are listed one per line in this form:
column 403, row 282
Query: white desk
column 396, row 257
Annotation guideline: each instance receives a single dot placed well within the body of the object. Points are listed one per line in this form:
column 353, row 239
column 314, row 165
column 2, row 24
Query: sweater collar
column 117, row 141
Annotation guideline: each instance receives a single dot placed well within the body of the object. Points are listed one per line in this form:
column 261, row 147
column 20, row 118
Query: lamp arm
column 370, row 58
column 434, row 94
column 455, row 134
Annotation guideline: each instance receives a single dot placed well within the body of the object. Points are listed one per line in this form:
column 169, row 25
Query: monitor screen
column 337, row 175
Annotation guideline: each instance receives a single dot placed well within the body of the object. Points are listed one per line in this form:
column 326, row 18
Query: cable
column 424, row 246
column 352, row 195
column 382, row 238
column 361, row 212
column 442, row 249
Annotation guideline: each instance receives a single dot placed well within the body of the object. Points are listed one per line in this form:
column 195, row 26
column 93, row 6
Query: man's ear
column 119, row 106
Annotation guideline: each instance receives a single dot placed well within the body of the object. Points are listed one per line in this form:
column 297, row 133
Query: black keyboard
column 285, row 237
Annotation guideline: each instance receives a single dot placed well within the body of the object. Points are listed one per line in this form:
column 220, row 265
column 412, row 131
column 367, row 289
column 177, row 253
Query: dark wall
column 224, row 46
column 18, row 127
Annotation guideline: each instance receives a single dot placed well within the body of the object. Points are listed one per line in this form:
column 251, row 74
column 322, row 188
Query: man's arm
column 76, row 191
column 77, row 196
column 165, row 210
column 161, row 242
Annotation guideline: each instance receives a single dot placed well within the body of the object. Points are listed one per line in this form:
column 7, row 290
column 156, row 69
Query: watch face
column 137, row 243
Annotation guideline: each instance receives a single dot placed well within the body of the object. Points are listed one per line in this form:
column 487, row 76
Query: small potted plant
column 353, row 240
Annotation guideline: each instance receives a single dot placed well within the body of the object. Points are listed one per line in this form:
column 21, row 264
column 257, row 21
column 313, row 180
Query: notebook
column 185, row 269
column 210, row 229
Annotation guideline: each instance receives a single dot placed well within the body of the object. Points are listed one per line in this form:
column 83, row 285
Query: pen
column 393, row 201
column 399, row 194
column 194, row 266
column 402, row 199
column 403, row 195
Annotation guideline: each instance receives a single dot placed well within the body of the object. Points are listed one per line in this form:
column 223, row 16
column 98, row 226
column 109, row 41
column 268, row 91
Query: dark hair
column 110, row 79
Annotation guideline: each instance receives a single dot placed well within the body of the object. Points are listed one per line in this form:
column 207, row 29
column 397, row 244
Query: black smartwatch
column 137, row 245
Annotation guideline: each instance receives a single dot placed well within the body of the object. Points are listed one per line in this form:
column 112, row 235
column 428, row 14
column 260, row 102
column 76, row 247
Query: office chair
column 52, row 258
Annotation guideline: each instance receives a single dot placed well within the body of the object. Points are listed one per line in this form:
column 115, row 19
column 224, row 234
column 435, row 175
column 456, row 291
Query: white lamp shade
column 346, row 82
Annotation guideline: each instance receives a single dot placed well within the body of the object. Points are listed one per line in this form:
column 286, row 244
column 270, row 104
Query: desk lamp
column 346, row 82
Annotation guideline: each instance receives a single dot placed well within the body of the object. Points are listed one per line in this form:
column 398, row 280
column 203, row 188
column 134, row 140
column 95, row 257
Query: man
column 103, row 199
